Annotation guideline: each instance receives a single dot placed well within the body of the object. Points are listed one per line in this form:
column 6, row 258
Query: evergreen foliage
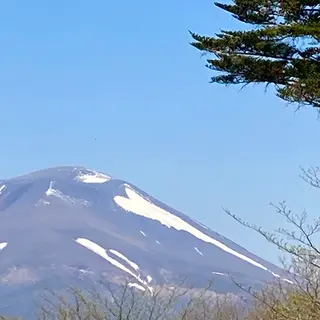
column 281, row 48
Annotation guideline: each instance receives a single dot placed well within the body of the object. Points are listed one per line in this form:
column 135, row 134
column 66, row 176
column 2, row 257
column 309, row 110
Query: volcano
column 70, row 226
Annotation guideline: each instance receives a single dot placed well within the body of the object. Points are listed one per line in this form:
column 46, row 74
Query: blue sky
column 116, row 86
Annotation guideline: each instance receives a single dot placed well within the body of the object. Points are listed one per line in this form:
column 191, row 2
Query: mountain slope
column 71, row 225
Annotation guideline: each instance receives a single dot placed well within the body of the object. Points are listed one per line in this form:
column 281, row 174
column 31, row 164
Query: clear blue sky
column 123, row 72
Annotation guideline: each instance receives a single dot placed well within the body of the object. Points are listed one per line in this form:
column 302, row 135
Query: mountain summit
column 71, row 225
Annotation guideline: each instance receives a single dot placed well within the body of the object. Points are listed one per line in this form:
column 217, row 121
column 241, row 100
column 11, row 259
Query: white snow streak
column 3, row 245
column 219, row 273
column 138, row 205
column 289, row 281
column 195, row 248
column 90, row 245
column 42, row 202
column 158, row 242
column 123, row 257
column 283, row 279
column 58, row 194
column 93, row 177
column 135, row 285
column 51, row 191
column 2, row 188
column 83, row 271
column 149, row 279
column 143, row 233
column 55, row 193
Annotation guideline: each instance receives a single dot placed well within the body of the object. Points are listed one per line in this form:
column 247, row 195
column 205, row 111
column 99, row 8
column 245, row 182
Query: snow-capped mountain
column 70, row 225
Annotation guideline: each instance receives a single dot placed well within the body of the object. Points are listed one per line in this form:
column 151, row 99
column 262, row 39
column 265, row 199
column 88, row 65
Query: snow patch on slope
column 42, row 202
column 52, row 192
column 219, row 273
column 55, row 193
column 90, row 245
column 195, row 248
column 135, row 285
column 3, row 245
column 287, row 280
column 91, row 176
column 143, row 233
column 283, row 279
column 136, row 204
column 123, row 257
column 2, row 188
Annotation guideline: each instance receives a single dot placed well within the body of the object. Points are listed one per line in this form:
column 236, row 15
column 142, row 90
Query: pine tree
column 281, row 48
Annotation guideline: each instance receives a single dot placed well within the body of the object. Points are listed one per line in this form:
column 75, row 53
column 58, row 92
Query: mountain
column 71, row 226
